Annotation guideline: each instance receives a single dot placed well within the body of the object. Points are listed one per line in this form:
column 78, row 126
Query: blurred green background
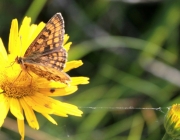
column 130, row 50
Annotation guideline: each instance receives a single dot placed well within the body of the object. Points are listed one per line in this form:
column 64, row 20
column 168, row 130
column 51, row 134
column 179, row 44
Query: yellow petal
column 72, row 109
column 29, row 113
column 79, row 80
column 24, row 35
column 13, row 37
column 3, row 53
column 67, row 46
column 21, row 128
column 66, row 109
column 54, row 84
column 50, row 103
column 50, row 118
column 72, row 64
column 16, row 109
column 58, row 91
column 57, row 107
column 4, row 106
column 1, row 91
column 42, row 82
column 37, row 106
column 33, row 28
column 66, row 38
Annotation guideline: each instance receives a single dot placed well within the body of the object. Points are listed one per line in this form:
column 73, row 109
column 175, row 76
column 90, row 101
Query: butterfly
column 46, row 56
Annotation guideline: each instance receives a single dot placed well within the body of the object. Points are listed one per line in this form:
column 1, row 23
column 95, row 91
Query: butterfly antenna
column 21, row 45
column 12, row 63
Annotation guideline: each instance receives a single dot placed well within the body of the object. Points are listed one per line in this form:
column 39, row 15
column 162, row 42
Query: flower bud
column 172, row 123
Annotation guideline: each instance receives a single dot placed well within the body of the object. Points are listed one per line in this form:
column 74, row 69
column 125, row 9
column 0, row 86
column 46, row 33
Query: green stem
column 167, row 137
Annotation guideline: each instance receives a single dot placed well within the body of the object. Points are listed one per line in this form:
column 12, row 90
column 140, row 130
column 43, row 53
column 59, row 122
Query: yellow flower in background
column 23, row 93
column 172, row 123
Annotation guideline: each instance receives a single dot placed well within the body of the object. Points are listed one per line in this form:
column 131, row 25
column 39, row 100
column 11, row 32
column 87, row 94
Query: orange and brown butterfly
column 46, row 56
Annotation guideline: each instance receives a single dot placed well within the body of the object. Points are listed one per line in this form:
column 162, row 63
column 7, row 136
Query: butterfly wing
column 49, row 43
column 50, row 38
column 49, row 73
column 45, row 56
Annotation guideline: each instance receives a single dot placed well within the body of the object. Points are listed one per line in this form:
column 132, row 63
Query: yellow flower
column 23, row 94
column 172, row 123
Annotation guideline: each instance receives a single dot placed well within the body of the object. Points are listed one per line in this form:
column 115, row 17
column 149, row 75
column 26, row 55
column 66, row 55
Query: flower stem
column 167, row 137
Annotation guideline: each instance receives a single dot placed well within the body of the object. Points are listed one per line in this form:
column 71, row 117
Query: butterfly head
column 19, row 60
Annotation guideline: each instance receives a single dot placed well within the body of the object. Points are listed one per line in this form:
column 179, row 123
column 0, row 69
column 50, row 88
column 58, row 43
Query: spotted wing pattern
column 45, row 56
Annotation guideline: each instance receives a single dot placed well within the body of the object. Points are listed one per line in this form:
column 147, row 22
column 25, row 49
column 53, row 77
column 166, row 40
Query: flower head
column 25, row 92
column 172, row 123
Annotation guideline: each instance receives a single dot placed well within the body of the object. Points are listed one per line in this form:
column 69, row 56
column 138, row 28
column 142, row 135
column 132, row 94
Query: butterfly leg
column 17, row 77
column 24, row 67
column 22, row 79
column 30, row 77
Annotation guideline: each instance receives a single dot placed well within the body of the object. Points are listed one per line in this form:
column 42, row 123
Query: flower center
column 20, row 87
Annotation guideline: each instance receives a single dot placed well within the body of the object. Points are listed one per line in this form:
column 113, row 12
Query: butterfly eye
column 19, row 60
